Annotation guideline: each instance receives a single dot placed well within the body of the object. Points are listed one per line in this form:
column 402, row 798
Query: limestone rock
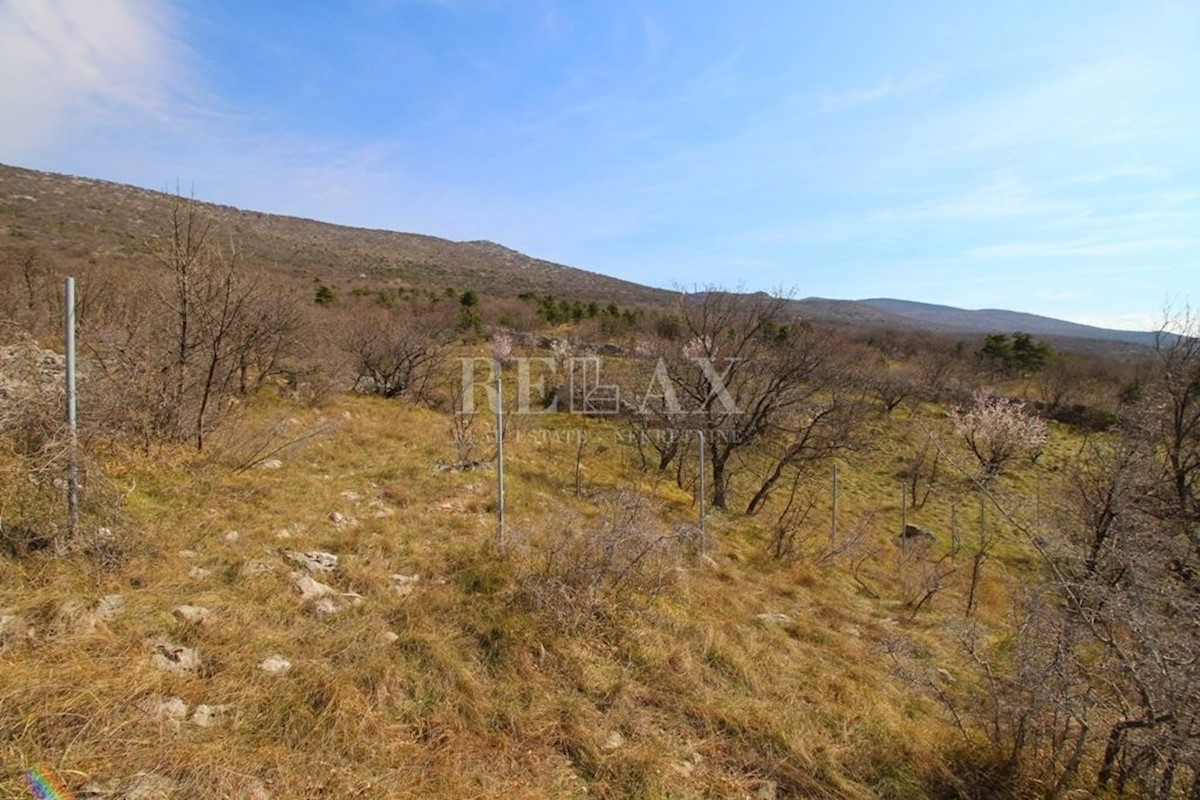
column 75, row 616
column 314, row 560
column 404, row 584
column 252, row 569
column 164, row 709
column 773, row 619
column 206, row 716
column 110, row 607
column 149, row 786
column 175, row 658
column 253, row 789
column 193, row 615
column 271, row 463
column 336, row 604
column 766, row 790
column 309, row 588
column 614, row 742
column 199, row 573
column 275, row 665
column 342, row 520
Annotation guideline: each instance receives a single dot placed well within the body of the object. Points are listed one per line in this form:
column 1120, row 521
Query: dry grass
column 739, row 674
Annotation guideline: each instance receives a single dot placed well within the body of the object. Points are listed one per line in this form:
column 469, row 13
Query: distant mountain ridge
column 81, row 219
column 995, row 320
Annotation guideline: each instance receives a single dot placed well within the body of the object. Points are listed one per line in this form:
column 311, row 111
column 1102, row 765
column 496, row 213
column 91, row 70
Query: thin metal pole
column 499, row 462
column 904, row 543
column 703, row 510
column 833, row 514
column 72, row 427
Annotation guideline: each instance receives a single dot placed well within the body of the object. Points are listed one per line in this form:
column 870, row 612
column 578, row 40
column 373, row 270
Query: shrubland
column 911, row 580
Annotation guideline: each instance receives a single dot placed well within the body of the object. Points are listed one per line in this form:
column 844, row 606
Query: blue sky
column 1039, row 156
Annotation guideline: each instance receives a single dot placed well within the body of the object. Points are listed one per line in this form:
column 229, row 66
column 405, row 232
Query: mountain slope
column 993, row 320
column 81, row 218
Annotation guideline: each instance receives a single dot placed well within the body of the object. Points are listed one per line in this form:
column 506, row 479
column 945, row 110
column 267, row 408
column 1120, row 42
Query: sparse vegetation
column 950, row 617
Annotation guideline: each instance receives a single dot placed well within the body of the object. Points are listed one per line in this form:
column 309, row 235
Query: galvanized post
column 499, row 461
column 72, row 427
column 833, row 514
column 703, row 510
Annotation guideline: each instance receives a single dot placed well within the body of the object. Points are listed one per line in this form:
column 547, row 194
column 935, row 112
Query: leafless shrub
column 577, row 573
column 393, row 355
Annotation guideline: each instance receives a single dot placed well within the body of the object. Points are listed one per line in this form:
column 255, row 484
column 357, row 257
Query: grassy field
column 727, row 674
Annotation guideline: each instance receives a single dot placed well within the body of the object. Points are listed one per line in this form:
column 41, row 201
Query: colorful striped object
column 45, row 785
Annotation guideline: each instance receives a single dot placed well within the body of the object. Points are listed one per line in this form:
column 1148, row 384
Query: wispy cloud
column 1004, row 196
column 65, row 64
column 1082, row 248
column 887, row 88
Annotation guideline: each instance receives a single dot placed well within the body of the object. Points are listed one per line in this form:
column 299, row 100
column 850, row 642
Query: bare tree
column 393, row 355
column 744, row 373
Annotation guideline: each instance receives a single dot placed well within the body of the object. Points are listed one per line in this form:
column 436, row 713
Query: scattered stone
column 232, row 536
column 206, row 716
column 9, row 623
column 391, row 637
column 94, row 789
column 947, row 676
column 381, row 511
column 174, row 658
column 766, row 790
column 110, row 607
column 329, row 605
column 405, row 584
column 252, row 569
column 340, row 519
column 76, row 617
column 276, row 665
column 149, row 786
column 188, row 554
column 774, row 618
column 614, row 742
column 311, row 589
column 199, row 573
column 164, row 709
column 353, row 497
column 917, row 533
column 314, row 560
column 271, row 463
column 253, row 789
column 193, row 615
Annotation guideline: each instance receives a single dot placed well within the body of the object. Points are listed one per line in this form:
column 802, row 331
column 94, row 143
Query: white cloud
column 887, row 88
column 1085, row 247
column 1004, row 196
column 66, row 65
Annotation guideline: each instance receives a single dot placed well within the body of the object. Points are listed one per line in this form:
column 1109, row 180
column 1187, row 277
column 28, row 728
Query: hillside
column 843, row 565
column 992, row 320
column 83, row 220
